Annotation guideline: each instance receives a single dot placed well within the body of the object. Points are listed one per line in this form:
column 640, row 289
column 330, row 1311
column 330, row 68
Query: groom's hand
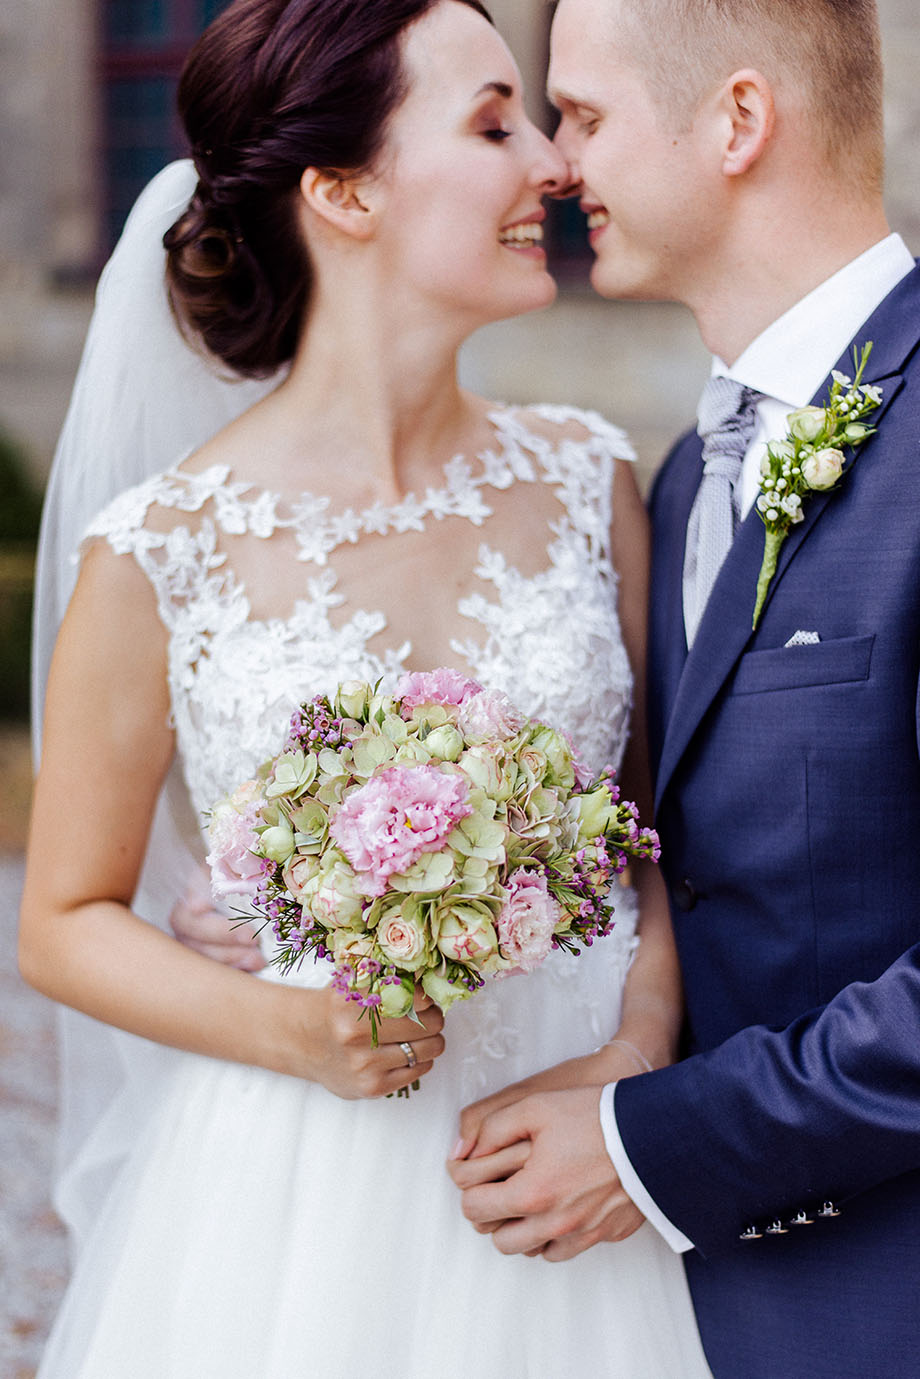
column 540, row 1180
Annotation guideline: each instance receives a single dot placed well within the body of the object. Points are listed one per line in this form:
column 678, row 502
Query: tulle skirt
column 262, row 1228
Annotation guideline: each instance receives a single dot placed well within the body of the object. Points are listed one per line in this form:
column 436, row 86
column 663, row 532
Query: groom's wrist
column 629, row 1178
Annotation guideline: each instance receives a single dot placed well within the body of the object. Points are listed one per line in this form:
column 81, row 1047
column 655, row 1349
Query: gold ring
column 409, row 1051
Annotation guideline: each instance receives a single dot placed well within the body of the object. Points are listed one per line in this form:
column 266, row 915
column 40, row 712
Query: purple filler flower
column 386, row 825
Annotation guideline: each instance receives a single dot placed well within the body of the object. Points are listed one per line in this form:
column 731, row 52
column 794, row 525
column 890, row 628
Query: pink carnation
column 235, row 870
column 527, row 920
column 487, row 715
column 386, row 825
column 441, row 686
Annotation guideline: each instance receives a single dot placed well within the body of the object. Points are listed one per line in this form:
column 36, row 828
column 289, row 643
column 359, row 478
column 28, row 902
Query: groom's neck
column 762, row 274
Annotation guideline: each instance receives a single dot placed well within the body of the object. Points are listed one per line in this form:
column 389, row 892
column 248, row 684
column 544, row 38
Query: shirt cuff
column 630, row 1179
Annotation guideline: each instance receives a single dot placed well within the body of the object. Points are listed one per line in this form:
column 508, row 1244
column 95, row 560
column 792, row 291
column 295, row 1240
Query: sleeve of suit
column 773, row 1122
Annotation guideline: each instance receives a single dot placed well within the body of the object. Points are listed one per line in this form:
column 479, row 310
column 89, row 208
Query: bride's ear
column 342, row 202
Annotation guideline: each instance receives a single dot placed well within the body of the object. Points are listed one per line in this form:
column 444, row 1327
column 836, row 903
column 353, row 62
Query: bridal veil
column 143, row 397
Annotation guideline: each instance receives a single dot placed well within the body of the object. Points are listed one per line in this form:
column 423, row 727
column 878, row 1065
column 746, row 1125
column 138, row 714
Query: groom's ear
column 747, row 119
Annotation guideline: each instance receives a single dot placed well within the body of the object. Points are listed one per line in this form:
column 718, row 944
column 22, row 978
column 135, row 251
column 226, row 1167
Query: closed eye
column 496, row 136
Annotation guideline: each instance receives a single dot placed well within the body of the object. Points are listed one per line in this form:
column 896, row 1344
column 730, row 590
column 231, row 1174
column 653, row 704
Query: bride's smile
column 462, row 176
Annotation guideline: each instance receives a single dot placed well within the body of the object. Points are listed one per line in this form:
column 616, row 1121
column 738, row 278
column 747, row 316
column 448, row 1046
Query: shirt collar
column 791, row 358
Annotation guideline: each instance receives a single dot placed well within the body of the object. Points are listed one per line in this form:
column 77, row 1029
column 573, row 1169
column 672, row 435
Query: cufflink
column 828, row 1210
column 802, row 1218
column 751, row 1233
column 777, row 1228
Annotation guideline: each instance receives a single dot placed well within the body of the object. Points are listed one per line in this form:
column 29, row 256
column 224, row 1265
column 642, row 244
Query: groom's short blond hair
column 830, row 49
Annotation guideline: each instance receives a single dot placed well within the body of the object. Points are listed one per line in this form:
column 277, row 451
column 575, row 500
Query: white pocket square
column 803, row 639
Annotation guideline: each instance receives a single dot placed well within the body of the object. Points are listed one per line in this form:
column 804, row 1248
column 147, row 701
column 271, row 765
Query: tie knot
column 727, row 420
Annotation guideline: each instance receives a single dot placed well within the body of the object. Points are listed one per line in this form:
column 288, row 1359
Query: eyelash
column 496, row 136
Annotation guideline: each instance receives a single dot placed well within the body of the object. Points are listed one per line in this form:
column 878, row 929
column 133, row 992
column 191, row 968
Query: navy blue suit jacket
column 788, row 801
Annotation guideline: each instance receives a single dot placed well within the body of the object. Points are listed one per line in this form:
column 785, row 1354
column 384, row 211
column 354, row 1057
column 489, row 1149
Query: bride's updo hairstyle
column 271, row 88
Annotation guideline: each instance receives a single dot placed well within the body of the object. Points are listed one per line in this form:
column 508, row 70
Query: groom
column 730, row 158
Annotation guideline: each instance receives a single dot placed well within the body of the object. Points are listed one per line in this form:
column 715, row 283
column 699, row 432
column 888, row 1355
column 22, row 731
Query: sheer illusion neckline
column 550, row 640
column 517, row 453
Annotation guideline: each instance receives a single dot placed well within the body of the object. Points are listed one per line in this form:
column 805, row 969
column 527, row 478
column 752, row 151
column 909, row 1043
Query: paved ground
column 32, row 1251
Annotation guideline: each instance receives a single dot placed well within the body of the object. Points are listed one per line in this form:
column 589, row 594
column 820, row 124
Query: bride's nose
column 551, row 171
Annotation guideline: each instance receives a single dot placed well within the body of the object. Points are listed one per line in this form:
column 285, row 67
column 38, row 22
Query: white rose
column 352, row 698
column 298, row 873
column 397, row 998
column 823, row 469
column 807, row 423
column 467, row 935
column 401, row 938
column 445, row 743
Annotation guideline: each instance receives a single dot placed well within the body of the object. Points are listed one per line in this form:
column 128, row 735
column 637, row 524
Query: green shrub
column 20, row 511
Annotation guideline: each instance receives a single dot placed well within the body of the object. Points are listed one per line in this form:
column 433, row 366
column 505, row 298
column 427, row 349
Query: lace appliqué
column 234, row 678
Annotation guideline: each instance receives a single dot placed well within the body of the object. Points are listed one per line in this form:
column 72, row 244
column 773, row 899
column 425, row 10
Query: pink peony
column 527, row 920
column 441, row 686
column 235, row 870
column 487, row 715
column 386, row 825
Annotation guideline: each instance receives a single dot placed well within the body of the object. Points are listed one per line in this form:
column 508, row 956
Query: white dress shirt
column 787, row 362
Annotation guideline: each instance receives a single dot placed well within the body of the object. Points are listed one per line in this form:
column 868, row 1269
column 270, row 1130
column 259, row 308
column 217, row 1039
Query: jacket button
column 685, row 895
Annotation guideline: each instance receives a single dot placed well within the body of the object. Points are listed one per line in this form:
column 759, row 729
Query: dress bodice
column 268, row 600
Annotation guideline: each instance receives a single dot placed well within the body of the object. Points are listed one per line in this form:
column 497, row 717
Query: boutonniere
column 810, row 459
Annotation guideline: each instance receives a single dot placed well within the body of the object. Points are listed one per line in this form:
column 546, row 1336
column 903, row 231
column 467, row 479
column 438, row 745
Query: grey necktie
column 727, row 419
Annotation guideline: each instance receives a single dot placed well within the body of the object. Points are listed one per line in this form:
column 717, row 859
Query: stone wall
column 640, row 364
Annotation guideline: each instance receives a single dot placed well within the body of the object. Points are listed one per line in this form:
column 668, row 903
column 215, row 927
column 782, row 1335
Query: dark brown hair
column 273, row 87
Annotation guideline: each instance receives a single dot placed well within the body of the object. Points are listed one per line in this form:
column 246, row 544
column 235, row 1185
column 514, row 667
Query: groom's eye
column 497, row 136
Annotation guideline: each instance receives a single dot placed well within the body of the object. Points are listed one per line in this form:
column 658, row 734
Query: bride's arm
column 107, row 747
column 652, row 999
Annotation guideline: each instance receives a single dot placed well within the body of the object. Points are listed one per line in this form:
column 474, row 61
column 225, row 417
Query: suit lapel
column 668, row 643
column 725, row 629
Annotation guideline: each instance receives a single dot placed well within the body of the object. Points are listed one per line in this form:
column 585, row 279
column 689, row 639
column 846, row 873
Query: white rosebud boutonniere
column 810, row 459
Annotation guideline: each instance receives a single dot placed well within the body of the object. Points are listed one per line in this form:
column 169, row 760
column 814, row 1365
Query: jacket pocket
column 842, row 661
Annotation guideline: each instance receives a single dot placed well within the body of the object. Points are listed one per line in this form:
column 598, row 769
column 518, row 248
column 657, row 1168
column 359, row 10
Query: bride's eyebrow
column 498, row 88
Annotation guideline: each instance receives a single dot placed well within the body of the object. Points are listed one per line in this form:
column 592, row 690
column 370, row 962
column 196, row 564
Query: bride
column 369, row 193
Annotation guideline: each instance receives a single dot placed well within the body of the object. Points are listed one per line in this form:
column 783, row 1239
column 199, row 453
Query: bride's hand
column 341, row 1055
column 611, row 1063
column 196, row 923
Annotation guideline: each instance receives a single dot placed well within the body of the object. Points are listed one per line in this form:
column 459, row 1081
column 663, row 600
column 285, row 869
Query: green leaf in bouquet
column 442, row 989
column 480, row 835
column 311, row 826
column 429, row 874
column 412, row 753
column 293, row 774
column 370, row 753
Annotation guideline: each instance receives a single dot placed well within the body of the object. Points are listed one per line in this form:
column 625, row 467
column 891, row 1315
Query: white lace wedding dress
column 263, row 1228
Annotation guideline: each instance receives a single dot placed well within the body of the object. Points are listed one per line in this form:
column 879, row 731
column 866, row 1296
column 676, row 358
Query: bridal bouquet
column 435, row 836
